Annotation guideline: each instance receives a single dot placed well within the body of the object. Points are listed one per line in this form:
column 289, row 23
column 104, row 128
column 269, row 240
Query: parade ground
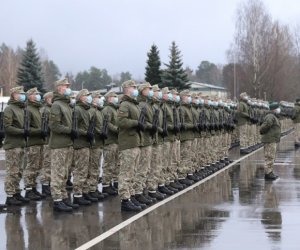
column 234, row 208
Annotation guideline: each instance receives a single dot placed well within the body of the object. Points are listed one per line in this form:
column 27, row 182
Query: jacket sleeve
column 55, row 121
column 188, row 119
column 111, row 127
column 33, row 130
column 124, row 120
column 266, row 125
column 8, row 124
column 243, row 112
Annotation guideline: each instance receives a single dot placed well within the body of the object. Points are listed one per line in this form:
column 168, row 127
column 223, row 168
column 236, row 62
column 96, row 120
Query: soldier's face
column 145, row 92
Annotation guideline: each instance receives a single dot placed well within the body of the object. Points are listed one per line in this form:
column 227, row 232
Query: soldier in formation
column 150, row 142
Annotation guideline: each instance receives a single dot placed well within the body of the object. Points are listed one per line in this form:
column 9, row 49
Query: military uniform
column 45, row 175
column 296, row 120
column 14, row 144
column 111, row 153
column 34, row 147
column 270, row 130
column 60, row 143
column 243, row 120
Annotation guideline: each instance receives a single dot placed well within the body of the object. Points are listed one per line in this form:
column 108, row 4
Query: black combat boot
column 142, row 199
column 97, row 195
column 176, row 185
column 60, row 206
column 165, row 190
column 157, row 195
column 19, row 197
column 109, row 190
column 186, row 182
column 30, row 194
column 89, row 198
column 70, row 204
column 12, row 201
column 244, row 151
column 46, row 190
column 127, row 205
column 146, row 195
column 271, row 177
column 104, row 195
column 116, row 185
column 192, row 177
column 81, row 201
column 180, row 184
column 137, row 203
column 175, row 190
column 43, row 196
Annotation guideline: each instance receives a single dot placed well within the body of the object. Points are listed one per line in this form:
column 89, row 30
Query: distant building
column 208, row 89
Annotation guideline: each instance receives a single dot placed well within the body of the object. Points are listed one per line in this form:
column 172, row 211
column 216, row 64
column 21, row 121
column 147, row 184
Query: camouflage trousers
column 46, row 165
column 81, row 168
column 33, row 166
column 297, row 132
column 166, row 161
column 91, row 183
column 186, row 158
column 206, row 151
column 13, row 164
column 209, row 152
column 243, row 129
column 214, row 148
column 194, row 154
column 61, row 160
column 258, row 135
column 270, row 154
column 175, row 160
column 155, row 176
column 199, row 153
column 142, row 170
column 129, row 161
column 110, row 167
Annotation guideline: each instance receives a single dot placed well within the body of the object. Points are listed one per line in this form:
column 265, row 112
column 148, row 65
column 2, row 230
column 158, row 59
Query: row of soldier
column 155, row 142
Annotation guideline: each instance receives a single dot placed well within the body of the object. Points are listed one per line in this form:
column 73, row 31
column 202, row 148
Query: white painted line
column 125, row 223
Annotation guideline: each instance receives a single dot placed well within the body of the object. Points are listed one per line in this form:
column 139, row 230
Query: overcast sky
column 116, row 34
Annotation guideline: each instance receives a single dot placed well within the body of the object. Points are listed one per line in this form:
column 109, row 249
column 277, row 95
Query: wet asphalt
column 236, row 209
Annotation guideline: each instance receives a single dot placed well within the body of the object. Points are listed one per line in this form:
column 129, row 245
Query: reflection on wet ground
column 236, row 209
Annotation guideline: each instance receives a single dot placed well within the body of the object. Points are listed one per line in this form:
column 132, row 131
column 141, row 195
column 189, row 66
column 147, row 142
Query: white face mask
column 277, row 111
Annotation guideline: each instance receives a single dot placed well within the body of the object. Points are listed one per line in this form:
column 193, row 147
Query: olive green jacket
column 168, row 106
column 208, row 121
column 98, row 141
column 243, row 113
column 270, row 129
column 60, row 122
column 83, row 121
column 187, row 133
column 35, row 121
column 128, row 115
column 157, row 138
column 13, row 122
column 147, row 137
column 113, row 130
column 296, row 113
column 195, row 119
column 46, row 111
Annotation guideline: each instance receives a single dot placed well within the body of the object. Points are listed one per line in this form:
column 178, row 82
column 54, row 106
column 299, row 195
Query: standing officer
column 14, row 144
column 60, row 143
column 130, row 140
column 82, row 149
column 35, row 145
column 270, row 131
column 111, row 152
column 46, row 157
column 243, row 122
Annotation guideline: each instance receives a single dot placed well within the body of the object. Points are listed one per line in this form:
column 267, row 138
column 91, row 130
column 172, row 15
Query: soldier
column 270, row 131
column 82, row 149
column 46, row 157
column 155, row 176
column 146, row 118
column 96, row 138
column 111, row 154
column 14, row 144
column 34, row 145
column 185, row 174
column 243, row 121
column 296, row 120
column 60, row 143
column 130, row 140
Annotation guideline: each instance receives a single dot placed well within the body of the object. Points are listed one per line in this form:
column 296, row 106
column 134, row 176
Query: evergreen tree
column 174, row 76
column 30, row 71
column 51, row 73
column 153, row 72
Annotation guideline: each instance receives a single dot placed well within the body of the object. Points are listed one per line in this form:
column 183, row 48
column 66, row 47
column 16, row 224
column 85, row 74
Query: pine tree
column 30, row 71
column 153, row 72
column 174, row 76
